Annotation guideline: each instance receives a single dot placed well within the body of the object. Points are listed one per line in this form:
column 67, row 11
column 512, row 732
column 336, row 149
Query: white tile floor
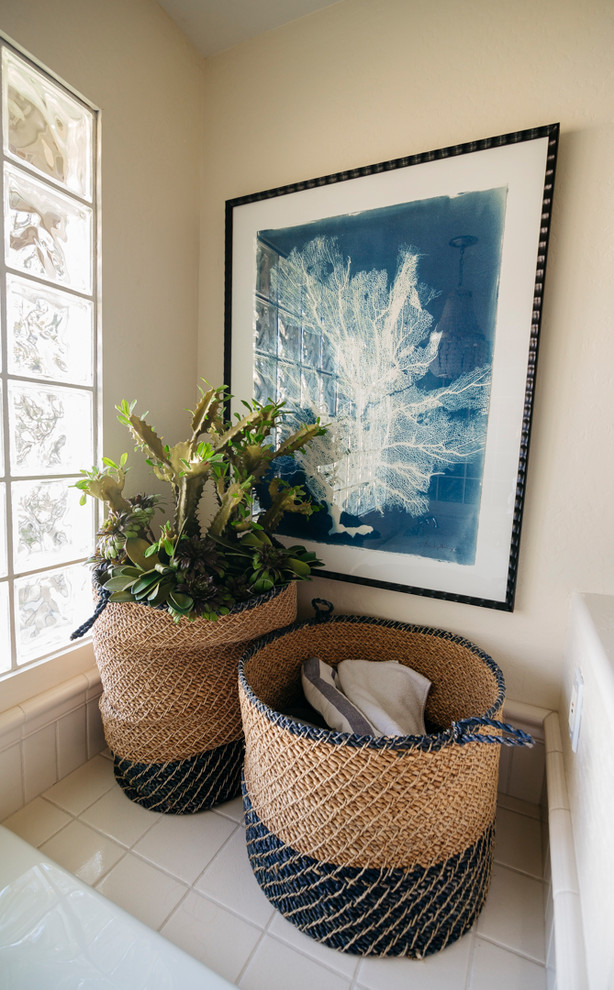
column 189, row 878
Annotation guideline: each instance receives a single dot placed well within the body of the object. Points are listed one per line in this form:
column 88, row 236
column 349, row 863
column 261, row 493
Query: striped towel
column 366, row 697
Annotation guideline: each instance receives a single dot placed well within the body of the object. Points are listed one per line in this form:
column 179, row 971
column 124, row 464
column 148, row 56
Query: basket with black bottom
column 373, row 846
column 170, row 706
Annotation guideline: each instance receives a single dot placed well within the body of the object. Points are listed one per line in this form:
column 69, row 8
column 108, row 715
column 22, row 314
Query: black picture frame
column 451, row 320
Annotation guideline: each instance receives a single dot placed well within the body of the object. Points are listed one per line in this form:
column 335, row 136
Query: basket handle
column 323, row 609
column 103, row 600
column 514, row 737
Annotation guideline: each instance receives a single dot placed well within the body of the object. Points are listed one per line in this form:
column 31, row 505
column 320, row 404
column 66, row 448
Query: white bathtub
column 56, row 933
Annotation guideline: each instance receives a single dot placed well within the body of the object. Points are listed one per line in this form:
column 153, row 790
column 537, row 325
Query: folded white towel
column 321, row 689
column 390, row 695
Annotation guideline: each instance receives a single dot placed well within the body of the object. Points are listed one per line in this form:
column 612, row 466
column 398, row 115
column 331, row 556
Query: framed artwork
column 401, row 303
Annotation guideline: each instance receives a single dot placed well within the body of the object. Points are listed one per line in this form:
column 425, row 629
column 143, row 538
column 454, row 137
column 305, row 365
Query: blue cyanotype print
column 382, row 323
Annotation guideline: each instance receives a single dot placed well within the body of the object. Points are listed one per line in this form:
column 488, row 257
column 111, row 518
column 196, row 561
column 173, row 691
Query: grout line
column 161, row 869
column 250, row 957
column 114, row 838
column 227, row 817
column 57, row 750
column 242, row 917
column 172, row 911
column 471, row 957
column 538, row 817
column 56, row 804
column 217, row 853
column 22, row 769
column 269, row 922
column 519, row 871
column 143, row 834
column 100, row 879
column 131, row 848
column 352, row 980
column 82, row 879
column 106, row 873
column 307, row 955
column 515, row 952
column 104, row 835
column 55, row 834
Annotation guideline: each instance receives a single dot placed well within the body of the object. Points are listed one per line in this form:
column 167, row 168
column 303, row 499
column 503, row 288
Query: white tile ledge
column 544, row 725
column 20, row 721
column 529, row 718
column 11, row 726
column 571, row 972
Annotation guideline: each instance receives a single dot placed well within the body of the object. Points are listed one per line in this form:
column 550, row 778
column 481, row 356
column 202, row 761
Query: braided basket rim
column 430, row 742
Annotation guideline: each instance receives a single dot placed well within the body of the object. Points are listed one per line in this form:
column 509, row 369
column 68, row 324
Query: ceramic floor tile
column 275, row 966
column 221, row 921
column 494, row 966
column 513, row 915
column 143, row 891
column 119, row 817
column 83, row 852
column 519, row 843
column 447, row 968
column 229, row 880
column 231, row 809
column 184, row 844
column 342, row 962
column 37, row 821
column 211, row 934
column 82, row 787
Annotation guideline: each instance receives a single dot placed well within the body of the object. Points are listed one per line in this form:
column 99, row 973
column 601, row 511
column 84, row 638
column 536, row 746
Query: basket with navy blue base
column 373, row 846
column 170, row 706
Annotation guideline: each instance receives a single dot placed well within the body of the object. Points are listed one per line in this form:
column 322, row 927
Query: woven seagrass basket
column 373, row 846
column 170, row 705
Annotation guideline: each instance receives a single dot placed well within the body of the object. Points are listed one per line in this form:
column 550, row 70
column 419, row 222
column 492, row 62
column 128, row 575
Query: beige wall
column 128, row 58
column 367, row 81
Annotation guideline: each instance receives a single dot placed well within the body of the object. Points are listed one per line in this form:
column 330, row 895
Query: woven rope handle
column 514, row 737
column 323, row 608
column 100, row 607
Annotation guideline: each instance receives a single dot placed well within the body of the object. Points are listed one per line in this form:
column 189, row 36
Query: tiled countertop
column 189, row 878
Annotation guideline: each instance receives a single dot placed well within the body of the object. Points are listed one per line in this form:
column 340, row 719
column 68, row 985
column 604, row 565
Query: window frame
column 28, row 669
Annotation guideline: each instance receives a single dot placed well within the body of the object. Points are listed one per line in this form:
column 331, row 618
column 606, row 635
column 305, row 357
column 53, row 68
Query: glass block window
column 48, row 374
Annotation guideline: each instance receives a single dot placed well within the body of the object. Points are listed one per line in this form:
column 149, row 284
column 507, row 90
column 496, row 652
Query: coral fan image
column 382, row 323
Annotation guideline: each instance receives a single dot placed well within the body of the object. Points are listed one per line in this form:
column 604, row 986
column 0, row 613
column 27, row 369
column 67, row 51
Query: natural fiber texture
column 185, row 786
column 376, row 846
column 211, row 715
column 368, row 807
column 372, row 911
column 465, row 680
column 170, row 689
column 359, row 801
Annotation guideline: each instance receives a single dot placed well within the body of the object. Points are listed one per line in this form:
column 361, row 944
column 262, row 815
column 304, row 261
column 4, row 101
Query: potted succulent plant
column 176, row 611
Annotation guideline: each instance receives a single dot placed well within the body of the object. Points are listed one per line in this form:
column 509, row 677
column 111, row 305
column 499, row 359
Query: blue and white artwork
column 382, row 323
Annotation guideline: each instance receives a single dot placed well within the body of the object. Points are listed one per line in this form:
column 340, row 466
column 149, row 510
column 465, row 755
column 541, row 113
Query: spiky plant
column 185, row 570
